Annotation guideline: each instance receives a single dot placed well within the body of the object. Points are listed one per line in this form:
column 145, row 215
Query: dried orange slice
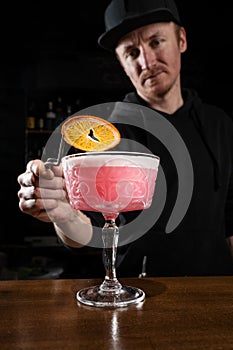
column 90, row 133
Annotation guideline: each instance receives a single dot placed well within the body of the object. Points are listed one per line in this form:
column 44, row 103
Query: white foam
column 111, row 158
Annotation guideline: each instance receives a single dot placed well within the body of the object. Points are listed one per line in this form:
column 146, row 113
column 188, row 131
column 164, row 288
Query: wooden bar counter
column 183, row 313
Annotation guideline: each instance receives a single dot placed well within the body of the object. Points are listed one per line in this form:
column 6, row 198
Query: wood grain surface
column 178, row 313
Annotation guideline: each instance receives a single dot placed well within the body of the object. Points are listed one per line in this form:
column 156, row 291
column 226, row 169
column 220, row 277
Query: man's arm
column 75, row 232
column 230, row 242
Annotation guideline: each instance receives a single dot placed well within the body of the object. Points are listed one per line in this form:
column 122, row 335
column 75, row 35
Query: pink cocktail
column 114, row 186
column 110, row 182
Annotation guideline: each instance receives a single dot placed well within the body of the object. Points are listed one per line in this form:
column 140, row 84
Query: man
column 148, row 39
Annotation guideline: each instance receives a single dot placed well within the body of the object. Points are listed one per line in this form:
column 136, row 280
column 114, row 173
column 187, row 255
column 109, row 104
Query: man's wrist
column 75, row 231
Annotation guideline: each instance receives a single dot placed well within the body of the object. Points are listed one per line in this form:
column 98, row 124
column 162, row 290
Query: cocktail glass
column 110, row 182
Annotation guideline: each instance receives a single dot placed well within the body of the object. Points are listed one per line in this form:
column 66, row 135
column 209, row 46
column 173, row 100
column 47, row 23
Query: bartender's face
column 151, row 57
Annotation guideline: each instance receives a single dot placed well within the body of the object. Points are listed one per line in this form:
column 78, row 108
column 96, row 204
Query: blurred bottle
column 31, row 118
column 50, row 117
column 40, row 123
column 68, row 111
column 59, row 111
column 78, row 104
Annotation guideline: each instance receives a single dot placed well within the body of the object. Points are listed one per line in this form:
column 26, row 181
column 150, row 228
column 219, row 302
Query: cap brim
column 109, row 39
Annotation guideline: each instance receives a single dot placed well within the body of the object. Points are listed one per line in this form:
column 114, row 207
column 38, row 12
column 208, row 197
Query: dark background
column 52, row 51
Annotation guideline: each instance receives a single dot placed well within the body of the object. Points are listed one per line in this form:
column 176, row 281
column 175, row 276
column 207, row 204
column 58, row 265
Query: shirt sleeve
column 229, row 209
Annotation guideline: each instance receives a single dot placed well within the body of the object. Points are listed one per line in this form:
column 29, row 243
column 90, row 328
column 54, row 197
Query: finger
column 28, row 205
column 61, row 213
column 38, row 168
column 57, row 170
column 58, row 194
column 35, row 205
column 55, row 183
column 33, row 208
column 32, row 192
column 26, row 179
column 27, row 193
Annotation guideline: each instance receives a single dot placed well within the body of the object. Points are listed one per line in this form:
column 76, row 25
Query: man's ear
column 183, row 40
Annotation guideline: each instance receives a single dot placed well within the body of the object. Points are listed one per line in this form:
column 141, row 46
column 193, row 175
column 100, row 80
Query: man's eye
column 155, row 43
column 133, row 53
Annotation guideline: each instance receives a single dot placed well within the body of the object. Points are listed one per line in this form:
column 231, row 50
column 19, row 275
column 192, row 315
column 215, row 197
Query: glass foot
column 93, row 296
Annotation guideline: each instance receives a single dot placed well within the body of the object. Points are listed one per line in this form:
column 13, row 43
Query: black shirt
column 197, row 245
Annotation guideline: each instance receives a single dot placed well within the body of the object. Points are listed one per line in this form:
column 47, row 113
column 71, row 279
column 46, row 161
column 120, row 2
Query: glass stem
column 110, row 234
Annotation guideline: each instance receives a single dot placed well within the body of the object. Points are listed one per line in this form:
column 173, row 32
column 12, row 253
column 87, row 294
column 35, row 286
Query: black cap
column 124, row 16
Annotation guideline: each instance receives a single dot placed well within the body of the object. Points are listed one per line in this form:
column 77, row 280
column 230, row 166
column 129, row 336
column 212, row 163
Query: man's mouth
column 152, row 77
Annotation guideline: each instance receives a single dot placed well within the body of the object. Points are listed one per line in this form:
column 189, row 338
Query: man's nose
column 147, row 59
